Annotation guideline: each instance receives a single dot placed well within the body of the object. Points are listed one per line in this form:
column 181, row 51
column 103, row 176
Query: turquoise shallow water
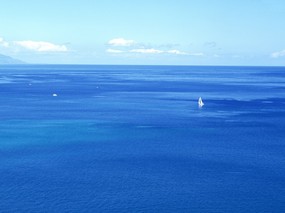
column 132, row 139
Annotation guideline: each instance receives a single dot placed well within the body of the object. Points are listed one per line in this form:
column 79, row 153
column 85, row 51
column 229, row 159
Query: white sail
column 200, row 102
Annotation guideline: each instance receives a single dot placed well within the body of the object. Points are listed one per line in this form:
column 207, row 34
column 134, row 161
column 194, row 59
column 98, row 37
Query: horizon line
column 177, row 65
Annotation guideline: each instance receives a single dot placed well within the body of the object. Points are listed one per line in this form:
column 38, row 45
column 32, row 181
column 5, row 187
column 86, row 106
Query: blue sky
column 180, row 32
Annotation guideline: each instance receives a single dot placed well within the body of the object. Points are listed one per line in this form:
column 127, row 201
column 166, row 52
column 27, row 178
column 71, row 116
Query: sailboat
column 200, row 102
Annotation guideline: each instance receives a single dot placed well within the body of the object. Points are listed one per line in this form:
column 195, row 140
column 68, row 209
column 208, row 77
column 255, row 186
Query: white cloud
column 121, row 42
column 177, row 52
column 154, row 51
column 41, row 46
column 130, row 46
column 3, row 43
column 114, row 51
column 278, row 54
column 196, row 54
column 147, row 51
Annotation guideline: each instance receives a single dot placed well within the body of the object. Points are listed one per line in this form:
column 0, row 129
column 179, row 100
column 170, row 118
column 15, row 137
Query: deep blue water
column 133, row 139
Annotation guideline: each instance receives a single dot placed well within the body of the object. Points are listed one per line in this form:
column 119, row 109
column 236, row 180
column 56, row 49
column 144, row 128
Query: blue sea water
column 133, row 139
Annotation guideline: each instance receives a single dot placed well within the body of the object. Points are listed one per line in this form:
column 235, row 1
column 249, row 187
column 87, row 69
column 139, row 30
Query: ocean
column 82, row 138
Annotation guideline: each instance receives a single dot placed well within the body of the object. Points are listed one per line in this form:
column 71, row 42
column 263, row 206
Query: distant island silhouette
column 4, row 59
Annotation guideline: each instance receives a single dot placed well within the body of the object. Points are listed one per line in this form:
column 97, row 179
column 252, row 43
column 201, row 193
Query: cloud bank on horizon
column 37, row 46
column 115, row 46
column 41, row 46
column 131, row 46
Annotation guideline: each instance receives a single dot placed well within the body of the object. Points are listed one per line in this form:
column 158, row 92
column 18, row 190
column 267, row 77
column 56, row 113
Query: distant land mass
column 4, row 59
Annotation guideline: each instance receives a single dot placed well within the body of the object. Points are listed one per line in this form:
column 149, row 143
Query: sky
column 146, row 32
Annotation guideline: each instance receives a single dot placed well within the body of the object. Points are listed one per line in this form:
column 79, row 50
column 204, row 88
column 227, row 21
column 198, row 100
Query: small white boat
column 200, row 102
